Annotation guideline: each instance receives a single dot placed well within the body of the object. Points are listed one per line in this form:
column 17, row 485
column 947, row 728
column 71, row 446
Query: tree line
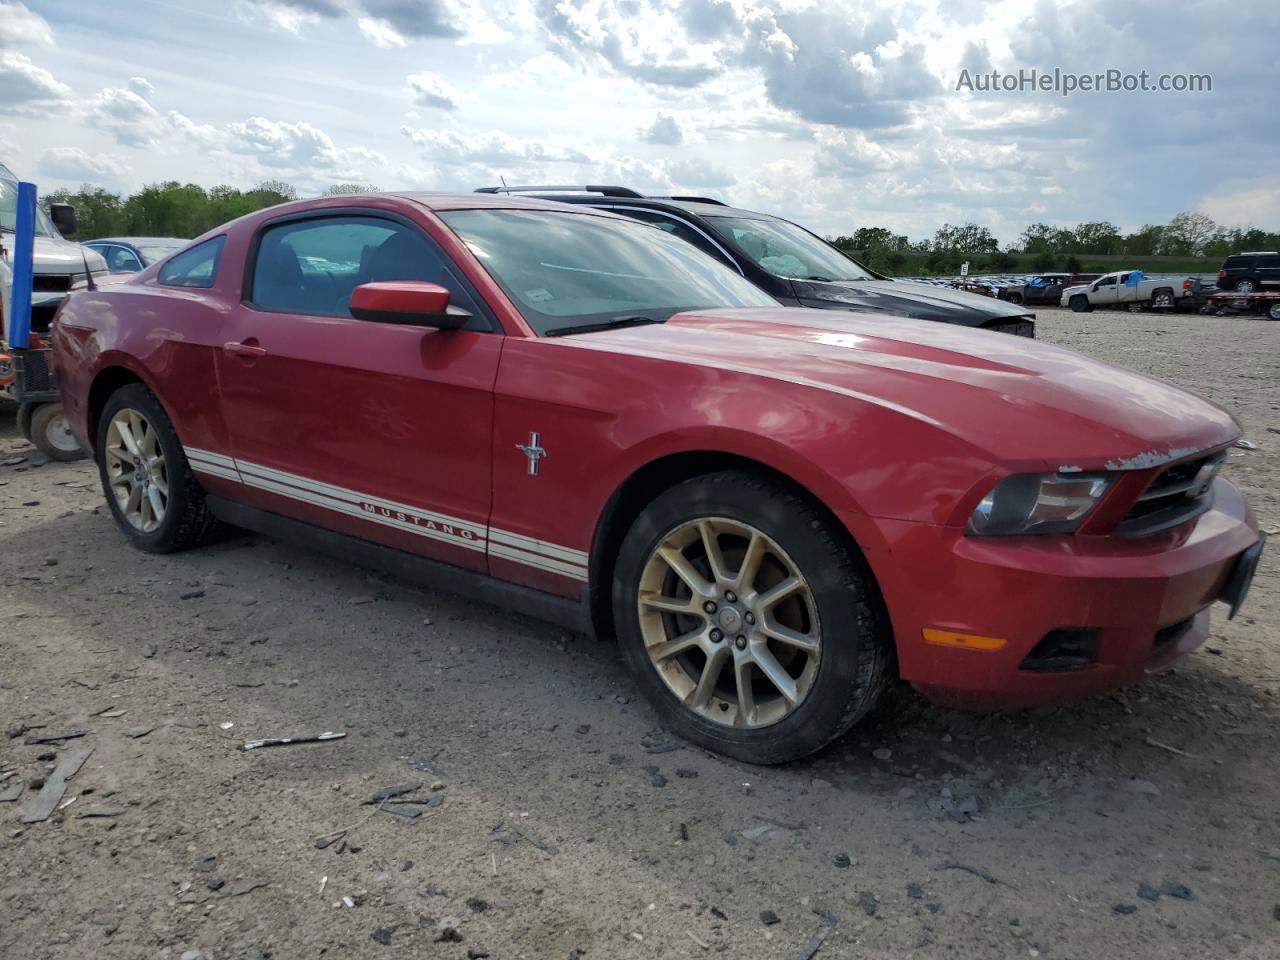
column 1042, row 246
column 174, row 209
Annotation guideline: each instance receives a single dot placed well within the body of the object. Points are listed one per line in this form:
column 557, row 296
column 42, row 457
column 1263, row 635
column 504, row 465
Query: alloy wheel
column 729, row 622
column 136, row 470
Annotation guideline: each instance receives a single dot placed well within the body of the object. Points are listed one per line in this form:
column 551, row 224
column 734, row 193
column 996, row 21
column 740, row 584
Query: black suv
column 790, row 263
column 1248, row 272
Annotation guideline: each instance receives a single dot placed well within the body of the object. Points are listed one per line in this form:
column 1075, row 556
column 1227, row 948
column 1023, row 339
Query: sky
column 836, row 114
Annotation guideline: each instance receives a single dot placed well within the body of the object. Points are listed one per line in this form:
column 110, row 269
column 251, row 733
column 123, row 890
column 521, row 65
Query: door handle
column 244, row 349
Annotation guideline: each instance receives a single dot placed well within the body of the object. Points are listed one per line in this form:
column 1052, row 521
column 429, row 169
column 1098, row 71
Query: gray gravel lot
column 556, row 819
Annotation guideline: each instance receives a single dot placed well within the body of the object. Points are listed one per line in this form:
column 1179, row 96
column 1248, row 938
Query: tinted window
column 785, row 250
column 565, row 270
column 677, row 228
column 198, row 267
column 1271, row 261
column 312, row 266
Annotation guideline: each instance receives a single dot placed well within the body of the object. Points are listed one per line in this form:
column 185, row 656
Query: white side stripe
column 530, row 545
column 542, row 563
column 531, row 552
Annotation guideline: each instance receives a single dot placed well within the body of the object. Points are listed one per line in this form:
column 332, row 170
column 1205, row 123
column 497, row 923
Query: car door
column 378, row 430
column 1104, row 292
column 1269, row 269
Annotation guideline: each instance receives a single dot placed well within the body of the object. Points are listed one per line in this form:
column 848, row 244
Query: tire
column 1015, row 298
column 1246, row 286
column 1080, row 304
column 25, row 411
column 1274, row 311
column 832, row 686
column 1136, row 307
column 51, row 433
column 185, row 520
column 1162, row 300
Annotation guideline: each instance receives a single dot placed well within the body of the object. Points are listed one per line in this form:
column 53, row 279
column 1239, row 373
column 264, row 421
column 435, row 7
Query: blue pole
column 24, row 242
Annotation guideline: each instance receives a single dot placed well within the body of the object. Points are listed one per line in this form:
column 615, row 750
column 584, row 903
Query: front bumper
column 1146, row 600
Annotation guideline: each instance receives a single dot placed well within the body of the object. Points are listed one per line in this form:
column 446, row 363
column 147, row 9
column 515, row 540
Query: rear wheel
column 50, row 431
column 1274, row 311
column 1135, row 307
column 1162, row 300
column 1080, row 304
column 153, row 495
column 747, row 622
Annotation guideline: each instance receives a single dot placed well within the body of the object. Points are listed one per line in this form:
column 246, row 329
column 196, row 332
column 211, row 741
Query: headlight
column 1038, row 503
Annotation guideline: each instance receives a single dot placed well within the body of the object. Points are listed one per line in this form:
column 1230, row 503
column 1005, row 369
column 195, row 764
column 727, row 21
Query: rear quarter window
column 197, row 267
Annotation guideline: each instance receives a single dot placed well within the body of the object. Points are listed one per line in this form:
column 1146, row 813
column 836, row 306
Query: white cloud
column 1244, row 203
column 664, row 131
column 26, row 87
column 75, row 164
column 429, row 90
column 22, row 27
column 380, row 33
column 126, row 114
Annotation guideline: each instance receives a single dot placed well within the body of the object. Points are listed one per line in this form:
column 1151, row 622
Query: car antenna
column 504, row 184
column 88, row 274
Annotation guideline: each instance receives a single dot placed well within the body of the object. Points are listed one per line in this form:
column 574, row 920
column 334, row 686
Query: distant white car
column 1131, row 289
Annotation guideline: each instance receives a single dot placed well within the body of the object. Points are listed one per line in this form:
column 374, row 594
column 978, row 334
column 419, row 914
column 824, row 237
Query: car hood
column 56, row 256
column 1080, row 288
column 1017, row 399
column 905, row 299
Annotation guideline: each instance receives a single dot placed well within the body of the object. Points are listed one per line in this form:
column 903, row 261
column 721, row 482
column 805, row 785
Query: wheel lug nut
column 740, row 643
column 709, row 606
column 750, row 618
column 716, row 636
column 731, row 597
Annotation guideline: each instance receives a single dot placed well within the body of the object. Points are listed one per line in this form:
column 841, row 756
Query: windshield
column 786, row 250
column 568, row 270
column 9, row 210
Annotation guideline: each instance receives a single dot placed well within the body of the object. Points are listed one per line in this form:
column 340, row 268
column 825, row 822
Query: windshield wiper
column 617, row 323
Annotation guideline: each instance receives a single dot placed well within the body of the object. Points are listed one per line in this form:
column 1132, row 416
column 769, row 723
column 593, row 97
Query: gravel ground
column 555, row 818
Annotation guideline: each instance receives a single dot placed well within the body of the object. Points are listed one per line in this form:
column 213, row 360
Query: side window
column 1105, row 282
column 678, row 229
column 312, row 266
column 1271, row 262
column 197, row 267
column 120, row 259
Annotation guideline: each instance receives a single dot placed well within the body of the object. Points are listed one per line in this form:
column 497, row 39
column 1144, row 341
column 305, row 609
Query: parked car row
column 777, row 510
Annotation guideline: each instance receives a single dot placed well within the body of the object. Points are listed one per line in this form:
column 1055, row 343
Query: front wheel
column 1135, row 307
column 746, row 620
column 50, row 431
column 153, row 495
column 1080, row 304
column 1245, row 286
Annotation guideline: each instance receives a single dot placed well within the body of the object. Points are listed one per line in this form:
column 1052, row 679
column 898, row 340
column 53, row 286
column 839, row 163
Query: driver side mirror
column 411, row 302
column 63, row 216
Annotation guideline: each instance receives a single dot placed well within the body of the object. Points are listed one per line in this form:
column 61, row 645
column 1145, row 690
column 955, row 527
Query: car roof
column 619, row 197
column 136, row 240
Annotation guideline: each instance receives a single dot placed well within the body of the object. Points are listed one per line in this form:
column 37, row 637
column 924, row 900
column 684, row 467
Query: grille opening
column 1067, row 648
column 1178, row 494
column 1173, row 632
column 51, row 282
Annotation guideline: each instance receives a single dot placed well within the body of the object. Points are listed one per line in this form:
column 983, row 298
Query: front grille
column 1179, row 493
column 51, row 282
column 34, row 375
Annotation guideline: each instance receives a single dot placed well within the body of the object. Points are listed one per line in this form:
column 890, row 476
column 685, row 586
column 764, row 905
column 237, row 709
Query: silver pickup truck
column 58, row 262
column 1131, row 289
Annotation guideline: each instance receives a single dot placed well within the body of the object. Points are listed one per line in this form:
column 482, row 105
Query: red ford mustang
column 776, row 511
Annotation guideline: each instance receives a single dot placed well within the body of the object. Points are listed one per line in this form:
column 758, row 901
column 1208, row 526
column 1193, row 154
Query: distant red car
column 776, row 511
